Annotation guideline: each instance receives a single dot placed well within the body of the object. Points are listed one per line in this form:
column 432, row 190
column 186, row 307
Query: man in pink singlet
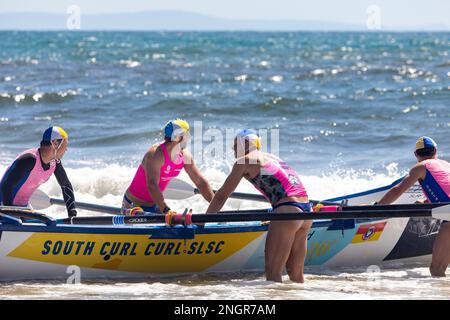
column 34, row 167
column 160, row 164
column 286, row 241
column 433, row 174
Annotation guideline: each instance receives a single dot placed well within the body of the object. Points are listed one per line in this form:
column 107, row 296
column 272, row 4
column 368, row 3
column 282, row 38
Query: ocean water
column 344, row 109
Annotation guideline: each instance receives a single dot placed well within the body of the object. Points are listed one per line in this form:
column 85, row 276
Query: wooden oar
column 438, row 213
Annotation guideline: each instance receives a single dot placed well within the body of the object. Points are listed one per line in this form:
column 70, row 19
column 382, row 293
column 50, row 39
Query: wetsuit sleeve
column 18, row 172
column 66, row 188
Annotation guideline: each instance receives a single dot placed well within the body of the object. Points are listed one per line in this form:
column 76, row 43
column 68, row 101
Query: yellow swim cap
column 176, row 128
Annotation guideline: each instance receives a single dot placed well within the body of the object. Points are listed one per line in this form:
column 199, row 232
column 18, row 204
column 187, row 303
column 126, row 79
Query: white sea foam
column 242, row 77
column 276, row 78
column 405, row 283
column 130, row 63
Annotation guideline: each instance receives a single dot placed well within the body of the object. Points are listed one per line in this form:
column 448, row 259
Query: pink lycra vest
column 436, row 184
column 23, row 192
column 277, row 180
column 169, row 170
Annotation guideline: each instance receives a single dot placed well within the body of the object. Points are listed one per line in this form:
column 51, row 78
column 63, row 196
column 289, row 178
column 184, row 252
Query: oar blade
column 442, row 213
column 178, row 190
column 40, row 200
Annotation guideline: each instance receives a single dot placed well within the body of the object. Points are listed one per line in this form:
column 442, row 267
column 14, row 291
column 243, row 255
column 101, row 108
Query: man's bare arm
column 416, row 173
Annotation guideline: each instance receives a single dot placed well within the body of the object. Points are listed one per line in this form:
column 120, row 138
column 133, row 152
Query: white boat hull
column 31, row 252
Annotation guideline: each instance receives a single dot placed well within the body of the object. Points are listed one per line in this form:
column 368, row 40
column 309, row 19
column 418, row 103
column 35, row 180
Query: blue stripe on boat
column 360, row 194
column 177, row 232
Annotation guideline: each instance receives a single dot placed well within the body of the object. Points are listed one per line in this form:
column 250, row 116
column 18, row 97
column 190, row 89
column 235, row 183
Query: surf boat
column 58, row 249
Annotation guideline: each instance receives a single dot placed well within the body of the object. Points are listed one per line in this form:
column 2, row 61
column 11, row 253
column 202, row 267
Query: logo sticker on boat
column 324, row 244
column 133, row 252
column 369, row 232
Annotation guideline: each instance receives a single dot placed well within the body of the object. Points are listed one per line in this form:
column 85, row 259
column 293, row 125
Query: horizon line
column 346, row 26
column 228, row 30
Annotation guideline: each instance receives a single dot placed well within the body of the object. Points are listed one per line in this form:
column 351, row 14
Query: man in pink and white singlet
column 286, row 241
column 433, row 174
column 160, row 164
column 34, row 167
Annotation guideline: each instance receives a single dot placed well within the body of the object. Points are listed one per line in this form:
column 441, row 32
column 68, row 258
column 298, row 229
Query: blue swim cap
column 425, row 143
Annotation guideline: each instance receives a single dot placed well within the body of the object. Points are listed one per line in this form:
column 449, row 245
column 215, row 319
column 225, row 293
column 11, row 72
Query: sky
column 394, row 12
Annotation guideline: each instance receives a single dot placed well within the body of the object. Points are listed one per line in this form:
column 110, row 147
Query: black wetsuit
column 22, row 169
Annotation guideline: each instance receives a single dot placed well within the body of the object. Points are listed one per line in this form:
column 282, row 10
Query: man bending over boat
column 160, row 164
column 34, row 167
column 286, row 242
column 433, row 175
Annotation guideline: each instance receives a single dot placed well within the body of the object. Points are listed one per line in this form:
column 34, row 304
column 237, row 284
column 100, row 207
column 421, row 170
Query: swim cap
column 54, row 133
column 425, row 143
column 176, row 128
column 251, row 136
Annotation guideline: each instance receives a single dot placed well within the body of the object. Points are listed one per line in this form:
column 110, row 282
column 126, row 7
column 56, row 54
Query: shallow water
column 404, row 283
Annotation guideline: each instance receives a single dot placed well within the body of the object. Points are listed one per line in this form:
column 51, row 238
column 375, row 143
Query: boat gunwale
column 149, row 229
column 132, row 230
